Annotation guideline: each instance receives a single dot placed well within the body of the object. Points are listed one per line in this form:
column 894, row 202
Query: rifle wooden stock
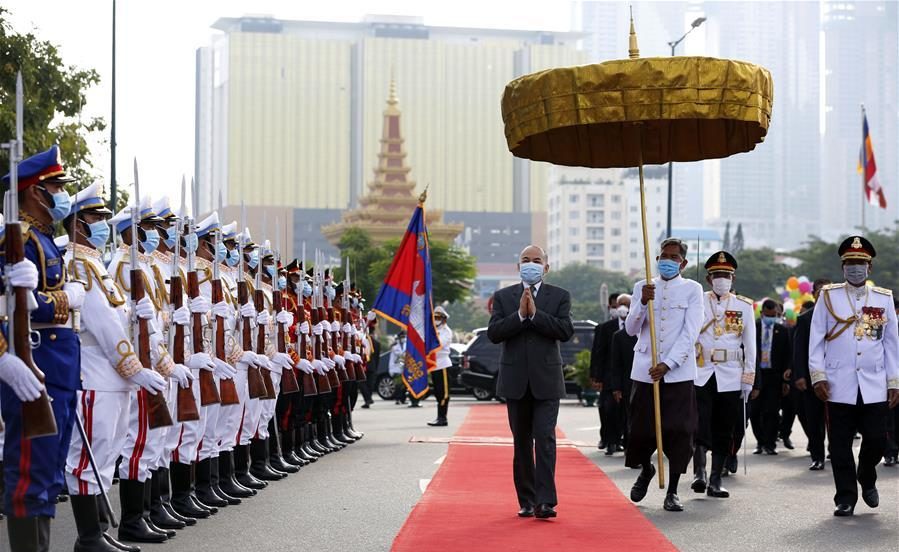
column 209, row 393
column 259, row 301
column 255, row 385
column 186, row 404
column 227, row 389
column 289, row 383
column 158, row 410
column 321, row 380
column 37, row 415
column 341, row 374
column 309, row 387
column 350, row 365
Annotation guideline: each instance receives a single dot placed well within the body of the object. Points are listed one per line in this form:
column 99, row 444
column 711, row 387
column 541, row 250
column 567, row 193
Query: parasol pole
column 634, row 52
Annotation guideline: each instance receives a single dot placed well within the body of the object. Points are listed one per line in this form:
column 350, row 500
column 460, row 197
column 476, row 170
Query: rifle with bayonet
column 37, row 415
column 339, row 372
column 321, row 380
column 255, row 385
column 259, row 303
column 345, row 319
column 289, row 383
column 158, row 410
column 309, row 388
column 186, row 404
column 227, row 388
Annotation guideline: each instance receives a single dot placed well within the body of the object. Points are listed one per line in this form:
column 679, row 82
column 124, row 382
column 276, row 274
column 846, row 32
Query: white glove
column 144, row 309
column 16, row 374
column 746, row 388
column 182, row 375
column 338, row 359
column 22, row 275
column 317, row 329
column 354, row 357
column 329, row 364
column 222, row 310
column 248, row 358
column 284, row 317
column 181, row 316
column 200, row 361
column 347, row 329
column 75, row 293
column 262, row 361
column 200, row 305
column 335, row 326
column 263, row 318
column 223, row 370
column 304, row 328
column 283, row 360
column 305, row 366
column 149, row 380
column 371, row 316
column 319, row 366
column 248, row 313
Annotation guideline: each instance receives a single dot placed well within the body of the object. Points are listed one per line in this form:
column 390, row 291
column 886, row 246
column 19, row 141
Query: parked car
column 386, row 386
column 480, row 363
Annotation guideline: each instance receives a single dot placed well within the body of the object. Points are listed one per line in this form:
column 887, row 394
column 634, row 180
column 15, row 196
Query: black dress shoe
column 788, row 444
column 366, row 405
column 619, row 448
column 119, row 545
column 844, row 510
column 700, row 482
column 770, row 451
column 672, row 503
column 526, row 511
column 817, row 465
column 601, row 445
column 641, row 485
column 715, row 490
column 439, row 422
column 758, row 450
column 610, row 451
column 889, row 461
column 731, row 464
column 544, row 511
column 871, row 497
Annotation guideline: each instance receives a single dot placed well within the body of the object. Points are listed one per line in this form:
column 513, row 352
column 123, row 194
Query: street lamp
column 696, row 23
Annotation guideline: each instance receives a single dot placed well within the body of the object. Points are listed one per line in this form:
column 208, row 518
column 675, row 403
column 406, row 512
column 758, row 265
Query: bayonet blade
column 20, row 116
column 277, row 239
column 183, row 212
column 136, row 188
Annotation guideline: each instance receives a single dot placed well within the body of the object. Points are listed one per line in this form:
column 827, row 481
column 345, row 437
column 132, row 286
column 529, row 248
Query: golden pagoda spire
column 633, row 50
column 391, row 96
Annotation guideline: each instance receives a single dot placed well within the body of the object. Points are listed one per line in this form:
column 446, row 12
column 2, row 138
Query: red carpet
column 470, row 504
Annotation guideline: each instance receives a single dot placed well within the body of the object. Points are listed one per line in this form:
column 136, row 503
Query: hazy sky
column 157, row 40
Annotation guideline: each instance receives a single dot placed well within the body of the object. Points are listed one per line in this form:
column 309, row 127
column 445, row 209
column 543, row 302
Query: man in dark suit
column 812, row 408
column 529, row 320
column 599, row 362
column 619, row 375
column 774, row 354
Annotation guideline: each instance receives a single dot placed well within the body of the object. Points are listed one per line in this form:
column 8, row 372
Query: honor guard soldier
column 439, row 379
column 853, row 348
column 725, row 361
column 34, row 468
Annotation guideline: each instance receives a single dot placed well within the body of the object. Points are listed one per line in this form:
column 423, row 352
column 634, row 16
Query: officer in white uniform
column 677, row 304
column 854, row 367
column 439, row 376
column 725, row 360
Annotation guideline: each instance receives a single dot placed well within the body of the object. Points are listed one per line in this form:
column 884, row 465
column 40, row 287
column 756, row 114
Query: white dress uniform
column 726, row 344
column 678, row 319
column 267, row 407
column 397, row 358
column 107, row 360
column 231, row 417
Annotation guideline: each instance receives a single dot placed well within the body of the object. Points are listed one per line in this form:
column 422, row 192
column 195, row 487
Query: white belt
column 726, row 355
column 44, row 326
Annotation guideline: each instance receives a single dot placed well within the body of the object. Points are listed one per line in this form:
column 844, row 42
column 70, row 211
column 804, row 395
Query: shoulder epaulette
column 745, row 299
column 882, row 291
column 828, row 287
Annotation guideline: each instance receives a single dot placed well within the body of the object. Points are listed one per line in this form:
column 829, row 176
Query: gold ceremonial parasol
column 625, row 113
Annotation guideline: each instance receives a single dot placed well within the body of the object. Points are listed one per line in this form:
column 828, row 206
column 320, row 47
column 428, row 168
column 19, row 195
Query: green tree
column 362, row 252
column 583, row 282
column 758, row 273
column 54, row 98
column 468, row 315
column 820, row 259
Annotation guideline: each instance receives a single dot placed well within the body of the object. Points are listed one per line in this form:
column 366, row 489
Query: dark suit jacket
column 600, row 354
column 800, row 346
column 621, row 360
column 375, row 358
column 530, row 353
column 781, row 351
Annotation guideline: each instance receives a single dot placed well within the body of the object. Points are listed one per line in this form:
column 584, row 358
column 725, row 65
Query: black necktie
column 534, row 292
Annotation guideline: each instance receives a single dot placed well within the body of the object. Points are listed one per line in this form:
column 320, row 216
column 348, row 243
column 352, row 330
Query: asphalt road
column 358, row 498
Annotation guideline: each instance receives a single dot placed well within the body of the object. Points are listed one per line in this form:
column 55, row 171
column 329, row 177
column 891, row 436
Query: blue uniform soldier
column 33, row 468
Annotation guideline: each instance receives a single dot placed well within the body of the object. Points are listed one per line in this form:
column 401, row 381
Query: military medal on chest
column 733, row 322
column 871, row 323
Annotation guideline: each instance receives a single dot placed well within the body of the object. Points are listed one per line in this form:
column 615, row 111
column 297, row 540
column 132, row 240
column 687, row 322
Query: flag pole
column 864, row 161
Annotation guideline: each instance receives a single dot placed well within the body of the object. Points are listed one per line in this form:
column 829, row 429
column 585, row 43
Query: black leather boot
column 259, row 466
column 275, row 455
column 214, row 483
column 700, row 478
column 288, row 448
column 351, row 431
column 227, row 482
column 103, row 514
column 204, row 491
column 715, row 489
column 329, row 433
column 87, row 522
column 242, row 469
column 165, row 494
column 2, row 491
column 318, row 446
column 133, row 528
column 301, row 447
column 23, row 534
column 158, row 514
column 182, row 501
column 337, row 430
column 147, row 500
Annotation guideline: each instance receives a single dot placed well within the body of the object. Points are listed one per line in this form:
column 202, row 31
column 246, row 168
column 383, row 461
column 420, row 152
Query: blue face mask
column 271, row 271
column 307, row 289
column 62, row 205
column 171, row 234
column 331, row 292
column 668, row 269
column 769, row 320
column 221, row 253
column 253, row 261
column 282, row 282
column 151, row 243
column 191, row 242
column 99, row 233
column 531, row 273
column 233, row 258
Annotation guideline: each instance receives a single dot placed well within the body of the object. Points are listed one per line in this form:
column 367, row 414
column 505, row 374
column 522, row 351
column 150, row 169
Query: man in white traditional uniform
column 439, row 375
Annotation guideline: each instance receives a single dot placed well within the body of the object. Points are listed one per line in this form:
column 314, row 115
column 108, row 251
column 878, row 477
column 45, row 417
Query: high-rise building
column 289, row 112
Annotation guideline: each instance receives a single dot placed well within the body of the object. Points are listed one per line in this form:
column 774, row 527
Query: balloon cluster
column 795, row 292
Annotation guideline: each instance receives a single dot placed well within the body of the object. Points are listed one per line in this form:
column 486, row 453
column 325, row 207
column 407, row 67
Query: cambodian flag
column 405, row 300
column 867, row 167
